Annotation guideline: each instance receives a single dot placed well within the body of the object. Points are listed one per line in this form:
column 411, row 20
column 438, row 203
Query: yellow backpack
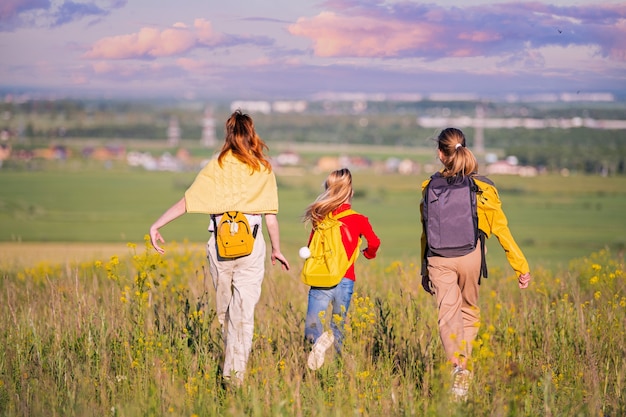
column 328, row 262
column 233, row 235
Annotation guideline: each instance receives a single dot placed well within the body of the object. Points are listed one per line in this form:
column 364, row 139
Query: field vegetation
column 553, row 218
column 102, row 325
column 135, row 334
column 94, row 322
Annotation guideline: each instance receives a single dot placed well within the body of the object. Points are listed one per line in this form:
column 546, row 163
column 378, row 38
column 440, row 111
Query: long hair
column 243, row 141
column 457, row 159
column 337, row 190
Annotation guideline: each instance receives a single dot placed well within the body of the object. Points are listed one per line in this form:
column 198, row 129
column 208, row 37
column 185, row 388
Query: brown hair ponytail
column 243, row 141
column 457, row 159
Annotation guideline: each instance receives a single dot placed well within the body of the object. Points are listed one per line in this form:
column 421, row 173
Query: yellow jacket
column 491, row 221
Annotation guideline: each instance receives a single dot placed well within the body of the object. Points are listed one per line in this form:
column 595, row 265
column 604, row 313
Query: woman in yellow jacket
column 240, row 179
column 455, row 280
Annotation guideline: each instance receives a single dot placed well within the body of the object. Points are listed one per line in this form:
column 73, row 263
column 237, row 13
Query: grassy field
column 553, row 218
column 136, row 335
column 96, row 323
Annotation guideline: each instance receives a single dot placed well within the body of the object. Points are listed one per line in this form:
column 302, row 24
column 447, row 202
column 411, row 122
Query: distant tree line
column 381, row 123
column 584, row 150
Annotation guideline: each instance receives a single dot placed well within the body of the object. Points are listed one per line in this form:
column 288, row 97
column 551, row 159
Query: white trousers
column 237, row 285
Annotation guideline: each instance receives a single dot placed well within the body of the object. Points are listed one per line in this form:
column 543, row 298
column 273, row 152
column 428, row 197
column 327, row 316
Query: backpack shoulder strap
column 344, row 214
column 341, row 215
column 484, row 179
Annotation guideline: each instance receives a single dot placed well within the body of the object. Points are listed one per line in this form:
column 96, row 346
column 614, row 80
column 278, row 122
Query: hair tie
column 457, row 146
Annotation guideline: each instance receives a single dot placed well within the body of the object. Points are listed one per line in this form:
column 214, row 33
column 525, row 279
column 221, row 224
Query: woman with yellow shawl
column 239, row 179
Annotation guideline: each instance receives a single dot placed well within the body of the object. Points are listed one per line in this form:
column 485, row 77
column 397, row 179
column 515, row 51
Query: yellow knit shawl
column 232, row 187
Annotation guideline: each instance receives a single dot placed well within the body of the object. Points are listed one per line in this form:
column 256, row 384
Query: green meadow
column 95, row 323
column 553, row 218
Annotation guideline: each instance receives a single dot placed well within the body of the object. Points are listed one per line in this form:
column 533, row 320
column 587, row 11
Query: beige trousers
column 455, row 281
column 237, row 285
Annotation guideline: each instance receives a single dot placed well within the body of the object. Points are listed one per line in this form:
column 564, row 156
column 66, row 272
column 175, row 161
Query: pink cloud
column 362, row 36
column 114, row 70
column 102, row 67
column 79, row 79
column 191, row 65
column 11, row 8
column 480, row 36
column 154, row 43
column 381, row 29
column 205, row 34
column 137, row 71
column 464, row 52
column 261, row 62
column 617, row 48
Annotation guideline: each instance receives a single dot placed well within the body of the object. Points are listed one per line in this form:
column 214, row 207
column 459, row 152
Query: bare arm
column 274, row 233
column 174, row 212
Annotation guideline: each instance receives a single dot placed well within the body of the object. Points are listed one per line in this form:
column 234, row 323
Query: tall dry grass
column 136, row 335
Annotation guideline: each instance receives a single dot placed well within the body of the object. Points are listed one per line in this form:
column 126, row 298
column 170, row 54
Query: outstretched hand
column 278, row 256
column 524, row 280
column 155, row 238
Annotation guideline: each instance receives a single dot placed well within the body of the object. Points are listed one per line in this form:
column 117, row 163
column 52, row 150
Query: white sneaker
column 316, row 357
column 460, row 383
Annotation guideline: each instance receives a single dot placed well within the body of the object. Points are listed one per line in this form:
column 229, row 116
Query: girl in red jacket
column 336, row 198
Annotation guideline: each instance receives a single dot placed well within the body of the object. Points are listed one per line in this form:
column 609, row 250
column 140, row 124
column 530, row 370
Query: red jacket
column 357, row 225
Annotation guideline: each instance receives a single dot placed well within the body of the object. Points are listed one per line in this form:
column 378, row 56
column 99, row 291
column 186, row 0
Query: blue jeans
column 319, row 299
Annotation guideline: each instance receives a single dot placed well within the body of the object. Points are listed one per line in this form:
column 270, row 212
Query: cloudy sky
column 296, row 48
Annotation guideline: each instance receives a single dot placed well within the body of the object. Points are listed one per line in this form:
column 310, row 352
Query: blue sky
column 295, row 49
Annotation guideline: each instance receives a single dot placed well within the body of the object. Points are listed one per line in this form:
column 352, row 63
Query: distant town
column 424, row 113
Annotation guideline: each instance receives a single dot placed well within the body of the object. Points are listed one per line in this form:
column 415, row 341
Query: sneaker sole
column 316, row 357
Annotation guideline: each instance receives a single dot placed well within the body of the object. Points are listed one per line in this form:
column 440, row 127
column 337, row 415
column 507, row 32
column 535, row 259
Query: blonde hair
column 457, row 159
column 337, row 190
column 244, row 143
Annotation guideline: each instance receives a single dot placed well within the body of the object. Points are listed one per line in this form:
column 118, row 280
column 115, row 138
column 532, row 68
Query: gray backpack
column 449, row 216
